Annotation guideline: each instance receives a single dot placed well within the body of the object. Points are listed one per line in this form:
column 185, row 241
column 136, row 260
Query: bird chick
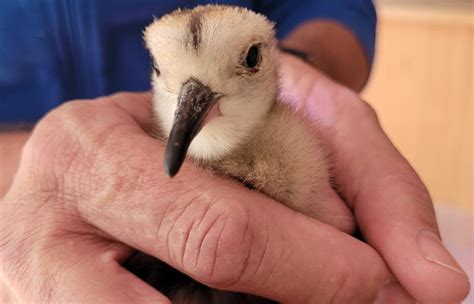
column 215, row 85
column 216, row 100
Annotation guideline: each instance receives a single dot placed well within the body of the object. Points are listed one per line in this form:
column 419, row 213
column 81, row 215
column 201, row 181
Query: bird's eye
column 156, row 69
column 253, row 57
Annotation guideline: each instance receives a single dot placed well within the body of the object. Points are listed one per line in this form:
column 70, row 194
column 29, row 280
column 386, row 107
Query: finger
column 390, row 202
column 225, row 236
column 392, row 207
column 330, row 208
column 88, row 271
column 137, row 105
column 396, row 214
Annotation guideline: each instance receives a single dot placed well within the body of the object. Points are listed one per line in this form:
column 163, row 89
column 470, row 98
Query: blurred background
column 422, row 88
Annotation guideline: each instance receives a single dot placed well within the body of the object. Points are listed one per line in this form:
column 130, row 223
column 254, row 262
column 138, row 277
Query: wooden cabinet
column 422, row 87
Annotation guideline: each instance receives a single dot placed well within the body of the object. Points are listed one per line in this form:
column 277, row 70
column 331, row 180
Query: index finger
column 137, row 105
column 222, row 234
column 331, row 209
column 235, row 239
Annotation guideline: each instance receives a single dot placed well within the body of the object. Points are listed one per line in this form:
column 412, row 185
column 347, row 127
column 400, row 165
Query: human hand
column 391, row 205
column 11, row 144
column 90, row 189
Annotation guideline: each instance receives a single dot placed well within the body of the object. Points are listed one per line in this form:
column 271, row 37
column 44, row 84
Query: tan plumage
column 282, row 158
column 203, row 64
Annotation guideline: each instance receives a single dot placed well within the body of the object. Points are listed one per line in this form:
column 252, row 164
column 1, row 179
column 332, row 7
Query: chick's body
column 282, row 159
column 216, row 100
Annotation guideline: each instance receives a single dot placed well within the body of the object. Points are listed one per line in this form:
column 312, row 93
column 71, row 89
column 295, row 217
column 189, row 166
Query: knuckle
column 58, row 144
column 358, row 106
column 211, row 241
column 120, row 95
column 369, row 111
column 223, row 254
column 348, row 102
column 54, row 129
column 64, row 116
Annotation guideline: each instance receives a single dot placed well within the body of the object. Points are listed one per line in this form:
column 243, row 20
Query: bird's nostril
column 213, row 113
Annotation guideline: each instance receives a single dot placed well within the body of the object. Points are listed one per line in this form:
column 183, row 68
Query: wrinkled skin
column 91, row 187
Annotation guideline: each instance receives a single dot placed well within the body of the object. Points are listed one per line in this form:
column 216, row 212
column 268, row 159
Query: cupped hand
column 90, row 189
column 391, row 205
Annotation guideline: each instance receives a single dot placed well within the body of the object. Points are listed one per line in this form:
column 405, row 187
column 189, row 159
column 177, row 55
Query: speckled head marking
column 195, row 28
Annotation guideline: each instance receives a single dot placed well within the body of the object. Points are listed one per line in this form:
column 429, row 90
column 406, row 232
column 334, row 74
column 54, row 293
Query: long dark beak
column 194, row 102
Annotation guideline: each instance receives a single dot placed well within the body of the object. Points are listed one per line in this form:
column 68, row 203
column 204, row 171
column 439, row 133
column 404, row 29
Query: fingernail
column 434, row 251
column 393, row 293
